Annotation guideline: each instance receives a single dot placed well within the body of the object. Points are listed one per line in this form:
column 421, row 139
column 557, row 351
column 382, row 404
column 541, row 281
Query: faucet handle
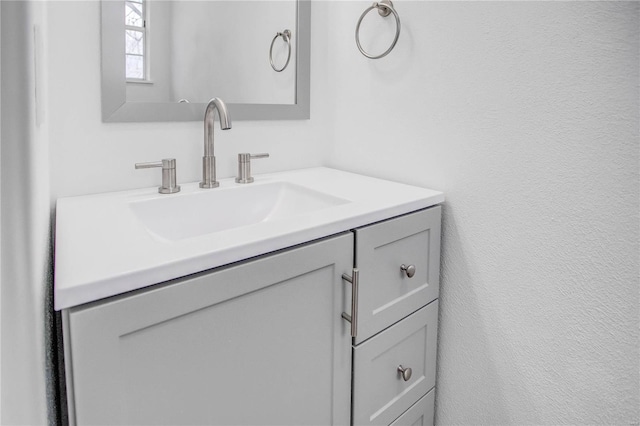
column 252, row 156
column 244, row 166
column 169, row 185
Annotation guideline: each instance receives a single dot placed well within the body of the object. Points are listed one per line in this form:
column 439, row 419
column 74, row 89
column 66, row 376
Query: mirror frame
column 115, row 107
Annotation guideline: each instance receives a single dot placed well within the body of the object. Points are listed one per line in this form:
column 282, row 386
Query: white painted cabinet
column 260, row 342
column 399, row 267
column 263, row 341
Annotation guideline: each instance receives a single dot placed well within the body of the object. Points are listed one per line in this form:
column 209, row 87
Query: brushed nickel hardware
column 286, row 36
column 169, row 185
column 405, row 373
column 385, row 7
column 244, row 166
column 354, row 279
column 409, row 270
column 209, row 160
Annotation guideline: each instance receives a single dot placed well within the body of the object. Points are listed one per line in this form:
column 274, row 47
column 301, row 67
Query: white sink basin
column 108, row 244
column 199, row 213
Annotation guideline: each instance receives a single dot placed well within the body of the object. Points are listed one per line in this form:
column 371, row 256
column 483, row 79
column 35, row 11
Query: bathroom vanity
column 321, row 308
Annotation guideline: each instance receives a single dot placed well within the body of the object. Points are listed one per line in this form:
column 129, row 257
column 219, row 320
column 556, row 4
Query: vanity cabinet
column 259, row 342
column 399, row 266
column 264, row 341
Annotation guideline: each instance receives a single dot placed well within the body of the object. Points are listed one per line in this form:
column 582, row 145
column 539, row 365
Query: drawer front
column 420, row 414
column 380, row 393
column 387, row 294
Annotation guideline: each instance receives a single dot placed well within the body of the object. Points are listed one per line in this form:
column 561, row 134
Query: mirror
column 163, row 60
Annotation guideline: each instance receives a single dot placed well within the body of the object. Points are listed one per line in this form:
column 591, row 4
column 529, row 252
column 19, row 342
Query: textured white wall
column 526, row 115
column 26, row 254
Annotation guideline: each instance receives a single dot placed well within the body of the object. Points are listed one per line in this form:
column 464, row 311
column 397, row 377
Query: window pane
column 134, row 42
column 135, row 67
column 133, row 14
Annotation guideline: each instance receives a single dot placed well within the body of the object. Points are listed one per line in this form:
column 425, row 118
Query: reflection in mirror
column 135, row 28
column 163, row 60
column 203, row 49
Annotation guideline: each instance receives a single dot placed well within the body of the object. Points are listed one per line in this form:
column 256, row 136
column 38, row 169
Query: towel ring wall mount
column 286, row 36
column 385, row 8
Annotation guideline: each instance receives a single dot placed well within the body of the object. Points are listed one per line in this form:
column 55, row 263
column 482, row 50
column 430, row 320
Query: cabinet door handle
column 353, row 318
column 409, row 270
column 405, row 373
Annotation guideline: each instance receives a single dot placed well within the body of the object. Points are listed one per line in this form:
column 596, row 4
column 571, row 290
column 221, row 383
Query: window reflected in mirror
column 135, row 20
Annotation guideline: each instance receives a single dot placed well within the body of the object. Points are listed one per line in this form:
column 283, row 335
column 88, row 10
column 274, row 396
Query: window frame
column 144, row 30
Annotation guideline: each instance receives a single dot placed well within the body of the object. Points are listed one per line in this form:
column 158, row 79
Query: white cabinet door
column 260, row 342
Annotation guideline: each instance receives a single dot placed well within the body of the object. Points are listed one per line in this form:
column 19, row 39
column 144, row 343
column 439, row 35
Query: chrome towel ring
column 385, row 8
column 286, row 36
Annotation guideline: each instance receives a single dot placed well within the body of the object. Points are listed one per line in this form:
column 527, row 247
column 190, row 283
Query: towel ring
column 286, row 36
column 385, row 7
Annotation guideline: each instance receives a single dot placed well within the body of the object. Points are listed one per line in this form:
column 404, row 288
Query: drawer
column 386, row 293
column 420, row 414
column 380, row 394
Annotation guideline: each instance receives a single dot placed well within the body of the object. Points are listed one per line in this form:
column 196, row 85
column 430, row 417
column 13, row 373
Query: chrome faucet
column 209, row 160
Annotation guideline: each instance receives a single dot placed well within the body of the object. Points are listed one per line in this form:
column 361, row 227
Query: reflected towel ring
column 286, row 36
column 385, row 7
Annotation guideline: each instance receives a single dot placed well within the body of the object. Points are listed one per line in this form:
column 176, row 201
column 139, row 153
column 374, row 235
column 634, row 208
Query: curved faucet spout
column 215, row 104
column 209, row 160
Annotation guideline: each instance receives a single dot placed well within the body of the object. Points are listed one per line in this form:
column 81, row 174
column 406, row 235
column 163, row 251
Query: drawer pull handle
column 405, row 373
column 353, row 318
column 409, row 270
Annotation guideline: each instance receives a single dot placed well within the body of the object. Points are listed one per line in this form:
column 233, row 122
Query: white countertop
column 102, row 249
